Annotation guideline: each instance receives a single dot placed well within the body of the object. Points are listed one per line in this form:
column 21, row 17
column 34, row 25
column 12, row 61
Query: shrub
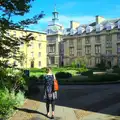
column 87, row 73
column 115, row 66
column 41, row 77
column 63, row 75
column 116, row 70
column 12, row 79
column 105, row 77
column 9, row 100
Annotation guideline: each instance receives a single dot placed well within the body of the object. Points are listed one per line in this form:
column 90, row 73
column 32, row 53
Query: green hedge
column 116, row 70
column 63, row 75
column 87, row 73
column 105, row 77
column 94, row 78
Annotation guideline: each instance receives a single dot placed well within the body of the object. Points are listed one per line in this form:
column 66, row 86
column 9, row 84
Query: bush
column 41, row 77
column 116, row 66
column 12, row 79
column 87, row 73
column 9, row 100
column 105, row 77
column 63, row 75
column 116, row 70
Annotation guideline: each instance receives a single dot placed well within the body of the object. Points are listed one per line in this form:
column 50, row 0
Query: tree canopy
column 9, row 45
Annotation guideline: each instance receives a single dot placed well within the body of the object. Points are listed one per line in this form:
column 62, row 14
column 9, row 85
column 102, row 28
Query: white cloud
column 64, row 20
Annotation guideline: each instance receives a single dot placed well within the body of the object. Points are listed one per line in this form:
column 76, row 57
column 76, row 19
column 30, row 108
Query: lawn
column 86, row 76
column 38, row 72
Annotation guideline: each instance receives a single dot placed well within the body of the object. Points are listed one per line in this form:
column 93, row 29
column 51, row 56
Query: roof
column 28, row 30
column 93, row 24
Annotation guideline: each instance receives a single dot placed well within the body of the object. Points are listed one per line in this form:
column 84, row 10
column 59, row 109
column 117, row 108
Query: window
column 71, row 42
column 87, row 40
column 89, row 61
column 99, row 27
column 79, row 53
column 32, row 45
column 39, row 63
column 79, row 44
column 81, row 30
column 88, row 49
column 108, row 52
column 110, row 26
column 32, row 64
column 97, row 60
column 109, row 40
column 52, row 59
column 32, row 54
column 97, row 49
column 39, row 45
column 39, row 54
column 71, row 51
column 39, row 37
column 89, row 29
column 118, row 48
column 52, row 48
column 21, row 34
column 118, row 36
column 97, row 39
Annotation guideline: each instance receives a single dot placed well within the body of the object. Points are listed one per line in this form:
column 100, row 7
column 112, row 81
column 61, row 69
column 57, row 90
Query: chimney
column 99, row 19
column 74, row 24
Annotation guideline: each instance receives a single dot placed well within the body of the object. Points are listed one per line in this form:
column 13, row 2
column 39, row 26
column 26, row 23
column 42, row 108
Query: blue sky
column 83, row 11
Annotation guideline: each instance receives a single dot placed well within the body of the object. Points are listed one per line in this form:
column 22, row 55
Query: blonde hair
column 48, row 69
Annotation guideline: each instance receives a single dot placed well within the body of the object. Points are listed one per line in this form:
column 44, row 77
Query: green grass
column 37, row 72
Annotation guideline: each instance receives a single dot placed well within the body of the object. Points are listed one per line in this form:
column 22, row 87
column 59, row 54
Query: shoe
column 52, row 117
column 47, row 115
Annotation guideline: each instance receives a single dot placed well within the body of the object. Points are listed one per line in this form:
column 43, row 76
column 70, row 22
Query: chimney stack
column 99, row 19
column 74, row 24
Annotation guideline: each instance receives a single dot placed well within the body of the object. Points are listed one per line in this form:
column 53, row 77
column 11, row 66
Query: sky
column 83, row 11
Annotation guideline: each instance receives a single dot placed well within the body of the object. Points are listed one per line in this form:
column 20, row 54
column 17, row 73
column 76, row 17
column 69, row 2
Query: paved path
column 97, row 102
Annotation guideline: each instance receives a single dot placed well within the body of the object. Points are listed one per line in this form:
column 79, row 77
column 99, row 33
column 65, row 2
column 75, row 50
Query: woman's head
column 48, row 70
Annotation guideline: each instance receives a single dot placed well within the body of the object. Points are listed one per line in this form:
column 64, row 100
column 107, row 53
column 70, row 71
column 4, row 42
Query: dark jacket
column 49, row 92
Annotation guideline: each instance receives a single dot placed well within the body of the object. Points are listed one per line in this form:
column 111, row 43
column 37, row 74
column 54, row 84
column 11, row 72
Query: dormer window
column 99, row 27
column 81, row 30
column 72, row 32
column 89, row 29
column 110, row 26
column 118, row 24
column 65, row 32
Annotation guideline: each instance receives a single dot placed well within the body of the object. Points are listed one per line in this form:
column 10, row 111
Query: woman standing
column 50, row 95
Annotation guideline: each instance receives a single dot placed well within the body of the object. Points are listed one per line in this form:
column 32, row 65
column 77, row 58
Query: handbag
column 56, row 86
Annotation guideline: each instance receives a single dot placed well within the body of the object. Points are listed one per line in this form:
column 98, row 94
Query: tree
column 9, row 45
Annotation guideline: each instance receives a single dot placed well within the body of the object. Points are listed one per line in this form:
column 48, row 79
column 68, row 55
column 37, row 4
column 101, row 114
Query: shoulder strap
column 54, row 77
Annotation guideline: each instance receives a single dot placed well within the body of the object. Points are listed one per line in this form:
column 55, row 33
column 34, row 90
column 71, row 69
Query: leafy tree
column 79, row 61
column 9, row 45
